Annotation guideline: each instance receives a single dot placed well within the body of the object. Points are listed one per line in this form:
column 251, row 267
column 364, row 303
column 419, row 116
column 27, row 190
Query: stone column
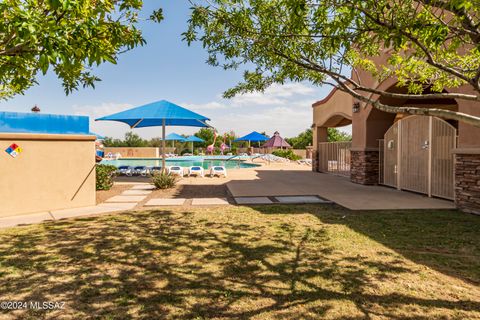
column 467, row 180
column 364, row 166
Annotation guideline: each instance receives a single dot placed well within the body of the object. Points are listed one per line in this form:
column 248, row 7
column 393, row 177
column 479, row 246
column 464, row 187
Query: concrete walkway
column 292, row 182
column 31, row 218
column 127, row 200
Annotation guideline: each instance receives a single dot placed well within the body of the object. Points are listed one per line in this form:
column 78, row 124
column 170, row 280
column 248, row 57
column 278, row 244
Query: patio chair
column 218, row 171
column 305, row 162
column 176, row 170
column 154, row 169
column 196, row 171
column 140, row 170
column 125, row 170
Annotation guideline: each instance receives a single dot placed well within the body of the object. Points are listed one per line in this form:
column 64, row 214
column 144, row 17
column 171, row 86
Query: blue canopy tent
column 193, row 139
column 160, row 113
column 174, row 137
column 252, row 137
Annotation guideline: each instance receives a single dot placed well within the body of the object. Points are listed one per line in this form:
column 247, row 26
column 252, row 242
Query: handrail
column 232, row 157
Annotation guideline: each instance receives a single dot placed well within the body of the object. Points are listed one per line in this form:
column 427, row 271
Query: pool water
column 204, row 161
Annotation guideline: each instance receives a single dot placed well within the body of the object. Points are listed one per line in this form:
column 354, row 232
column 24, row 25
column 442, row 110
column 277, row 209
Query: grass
column 269, row 262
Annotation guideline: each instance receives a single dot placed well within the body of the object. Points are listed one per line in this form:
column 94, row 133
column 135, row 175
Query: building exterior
column 416, row 153
column 47, row 162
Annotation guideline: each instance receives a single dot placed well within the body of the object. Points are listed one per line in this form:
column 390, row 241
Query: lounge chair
column 176, row 170
column 125, row 170
column 218, row 171
column 140, row 170
column 197, row 171
column 273, row 158
column 153, row 170
column 305, row 162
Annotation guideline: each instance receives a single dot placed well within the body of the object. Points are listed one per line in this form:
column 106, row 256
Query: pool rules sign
column 13, row 150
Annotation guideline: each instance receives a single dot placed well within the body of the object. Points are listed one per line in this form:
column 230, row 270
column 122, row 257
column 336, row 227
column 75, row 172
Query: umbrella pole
column 163, row 146
column 192, row 148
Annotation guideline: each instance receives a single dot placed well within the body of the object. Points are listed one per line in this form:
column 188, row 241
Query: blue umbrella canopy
column 161, row 113
column 253, row 136
column 194, row 139
column 174, row 137
column 155, row 114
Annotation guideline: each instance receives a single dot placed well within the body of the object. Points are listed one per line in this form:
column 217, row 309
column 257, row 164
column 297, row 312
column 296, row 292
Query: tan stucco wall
column 335, row 110
column 137, row 152
column 52, row 172
column 468, row 136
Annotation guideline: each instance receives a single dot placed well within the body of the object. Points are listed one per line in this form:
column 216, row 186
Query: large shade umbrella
column 161, row 113
column 252, row 137
column 174, row 137
column 193, row 139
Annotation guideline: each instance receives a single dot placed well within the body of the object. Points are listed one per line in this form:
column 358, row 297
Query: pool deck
column 291, row 179
column 296, row 180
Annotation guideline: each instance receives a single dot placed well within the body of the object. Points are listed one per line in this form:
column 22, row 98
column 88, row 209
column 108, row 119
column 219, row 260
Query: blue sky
column 166, row 68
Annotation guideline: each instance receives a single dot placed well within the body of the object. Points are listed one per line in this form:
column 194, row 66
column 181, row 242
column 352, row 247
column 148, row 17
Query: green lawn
column 269, row 262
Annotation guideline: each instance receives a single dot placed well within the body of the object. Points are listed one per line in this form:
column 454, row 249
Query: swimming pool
column 204, row 161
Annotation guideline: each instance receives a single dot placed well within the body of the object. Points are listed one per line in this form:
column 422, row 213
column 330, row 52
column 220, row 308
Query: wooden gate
column 417, row 156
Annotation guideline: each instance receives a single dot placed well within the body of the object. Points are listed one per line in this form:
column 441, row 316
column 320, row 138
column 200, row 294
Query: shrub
column 105, row 174
column 288, row 154
column 163, row 180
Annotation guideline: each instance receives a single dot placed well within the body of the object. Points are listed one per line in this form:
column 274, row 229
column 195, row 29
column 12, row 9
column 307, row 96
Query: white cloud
column 101, row 110
column 288, row 121
column 290, row 89
column 274, row 95
column 213, row 105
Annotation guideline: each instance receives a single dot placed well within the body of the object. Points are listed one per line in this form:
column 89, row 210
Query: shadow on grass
column 235, row 264
column 446, row 240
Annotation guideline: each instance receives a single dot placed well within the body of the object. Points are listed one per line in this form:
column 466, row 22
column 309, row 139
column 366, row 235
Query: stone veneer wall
column 364, row 167
column 315, row 160
column 467, row 182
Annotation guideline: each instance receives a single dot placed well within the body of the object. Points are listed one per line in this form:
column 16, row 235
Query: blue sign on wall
column 43, row 123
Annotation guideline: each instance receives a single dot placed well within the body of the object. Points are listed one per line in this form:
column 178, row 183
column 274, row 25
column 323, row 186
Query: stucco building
column 415, row 153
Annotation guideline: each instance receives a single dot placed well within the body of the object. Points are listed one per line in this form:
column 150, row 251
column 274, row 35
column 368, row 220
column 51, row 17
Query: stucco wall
column 138, row 152
column 52, row 172
column 335, row 110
